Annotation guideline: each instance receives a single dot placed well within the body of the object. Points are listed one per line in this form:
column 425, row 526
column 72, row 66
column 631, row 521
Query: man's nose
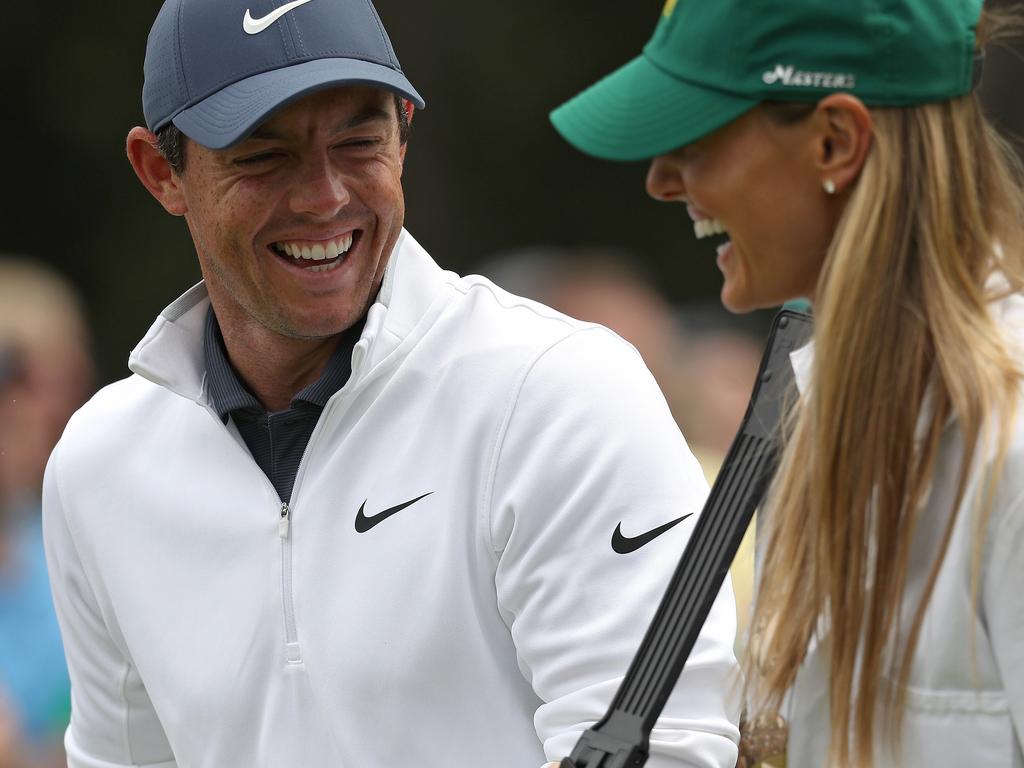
column 665, row 180
column 320, row 190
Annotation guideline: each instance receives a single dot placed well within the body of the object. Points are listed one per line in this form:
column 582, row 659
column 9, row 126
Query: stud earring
column 829, row 186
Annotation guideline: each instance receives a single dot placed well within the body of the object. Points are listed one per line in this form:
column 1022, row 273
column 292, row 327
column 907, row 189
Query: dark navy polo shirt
column 275, row 440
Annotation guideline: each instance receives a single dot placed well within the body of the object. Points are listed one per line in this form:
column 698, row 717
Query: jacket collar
column 802, row 361
column 171, row 353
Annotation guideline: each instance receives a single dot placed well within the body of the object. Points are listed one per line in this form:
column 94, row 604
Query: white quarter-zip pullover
column 440, row 591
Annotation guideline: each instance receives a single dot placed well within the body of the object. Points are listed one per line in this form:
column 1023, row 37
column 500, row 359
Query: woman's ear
column 844, row 131
column 154, row 171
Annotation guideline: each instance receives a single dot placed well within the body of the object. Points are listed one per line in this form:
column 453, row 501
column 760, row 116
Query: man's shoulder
column 117, row 411
column 122, row 398
column 527, row 347
column 471, row 313
column 497, row 318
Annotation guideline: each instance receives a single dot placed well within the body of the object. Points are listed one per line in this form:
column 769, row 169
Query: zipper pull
column 283, row 523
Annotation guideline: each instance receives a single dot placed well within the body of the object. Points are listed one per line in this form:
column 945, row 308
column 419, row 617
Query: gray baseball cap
column 219, row 68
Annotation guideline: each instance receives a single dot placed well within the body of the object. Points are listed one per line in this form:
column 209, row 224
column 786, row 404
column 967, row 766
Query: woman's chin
column 735, row 299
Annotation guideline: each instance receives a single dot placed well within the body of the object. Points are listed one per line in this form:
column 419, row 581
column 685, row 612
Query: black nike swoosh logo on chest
column 626, row 544
column 364, row 523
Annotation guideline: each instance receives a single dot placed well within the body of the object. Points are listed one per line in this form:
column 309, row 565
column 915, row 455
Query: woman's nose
column 665, row 179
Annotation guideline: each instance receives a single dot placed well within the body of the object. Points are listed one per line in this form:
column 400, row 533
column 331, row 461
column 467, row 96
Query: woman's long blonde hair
column 903, row 325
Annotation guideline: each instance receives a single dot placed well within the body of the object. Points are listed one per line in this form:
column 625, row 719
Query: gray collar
column 227, row 393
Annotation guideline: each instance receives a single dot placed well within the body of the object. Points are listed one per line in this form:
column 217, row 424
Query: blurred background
column 485, row 172
column 489, row 186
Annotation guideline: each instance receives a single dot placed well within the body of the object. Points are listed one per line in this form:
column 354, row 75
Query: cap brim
column 640, row 111
column 229, row 115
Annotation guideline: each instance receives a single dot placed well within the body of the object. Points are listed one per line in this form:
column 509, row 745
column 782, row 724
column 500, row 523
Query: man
column 352, row 509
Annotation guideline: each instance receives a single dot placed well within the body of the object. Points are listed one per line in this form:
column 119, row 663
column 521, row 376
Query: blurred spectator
column 45, row 374
column 704, row 359
column 721, row 353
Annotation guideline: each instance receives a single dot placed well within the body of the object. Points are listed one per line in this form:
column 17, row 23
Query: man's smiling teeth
column 707, row 228
column 307, row 251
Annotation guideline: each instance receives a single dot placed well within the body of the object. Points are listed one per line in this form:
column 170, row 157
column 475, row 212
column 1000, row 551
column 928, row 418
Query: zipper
column 284, row 524
column 291, row 638
column 293, row 652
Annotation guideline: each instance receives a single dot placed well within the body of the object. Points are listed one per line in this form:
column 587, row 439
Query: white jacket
column 965, row 703
column 487, row 623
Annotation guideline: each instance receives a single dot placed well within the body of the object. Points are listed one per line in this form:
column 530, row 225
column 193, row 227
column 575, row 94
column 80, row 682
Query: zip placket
column 292, row 651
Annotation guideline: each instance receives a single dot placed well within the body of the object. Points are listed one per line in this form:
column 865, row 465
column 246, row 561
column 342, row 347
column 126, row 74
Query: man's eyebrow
column 368, row 115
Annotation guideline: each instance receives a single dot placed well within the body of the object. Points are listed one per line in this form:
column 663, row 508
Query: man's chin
column 315, row 331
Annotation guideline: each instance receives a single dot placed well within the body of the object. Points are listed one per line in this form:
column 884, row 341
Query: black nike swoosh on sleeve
column 364, row 523
column 623, row 545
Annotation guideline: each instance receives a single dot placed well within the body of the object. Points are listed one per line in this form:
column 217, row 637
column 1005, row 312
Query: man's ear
column 843, row 138
column 154, row 171
column 410, row 109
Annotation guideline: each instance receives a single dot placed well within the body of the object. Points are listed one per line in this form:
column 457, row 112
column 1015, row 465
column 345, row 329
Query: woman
column 841, row 148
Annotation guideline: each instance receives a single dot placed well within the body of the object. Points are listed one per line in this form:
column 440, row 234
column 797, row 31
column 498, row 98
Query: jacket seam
column 498, row 444
column 1008, row 520
column 127, row 719
column 572, row 325
column 59, row 476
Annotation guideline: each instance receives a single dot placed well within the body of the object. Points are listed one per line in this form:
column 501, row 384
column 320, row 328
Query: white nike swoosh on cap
column 255, row 26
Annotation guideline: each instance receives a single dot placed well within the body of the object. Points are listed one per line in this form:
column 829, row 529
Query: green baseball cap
column 710, row 61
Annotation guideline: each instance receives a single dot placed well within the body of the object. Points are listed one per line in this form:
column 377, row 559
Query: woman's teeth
column 707, row 228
